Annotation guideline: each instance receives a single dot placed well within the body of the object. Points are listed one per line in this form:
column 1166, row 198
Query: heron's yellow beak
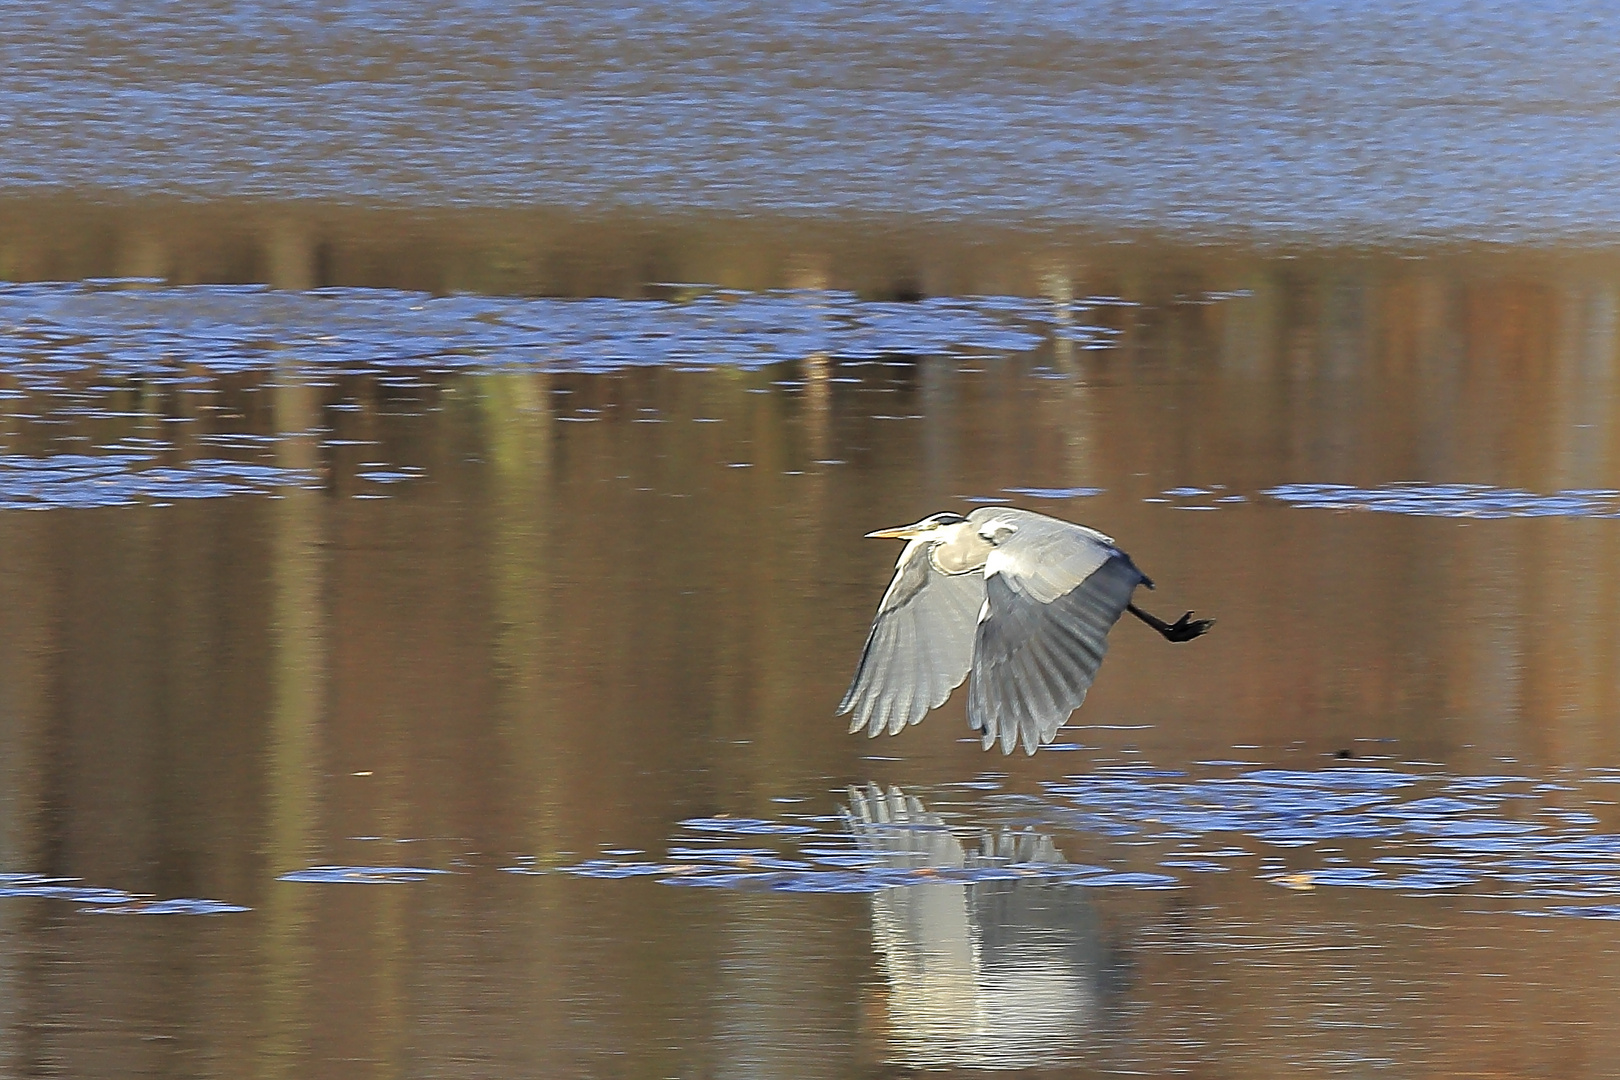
column 902, row 532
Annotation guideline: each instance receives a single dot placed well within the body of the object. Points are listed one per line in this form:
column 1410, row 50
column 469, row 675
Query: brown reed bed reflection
column 544, row 251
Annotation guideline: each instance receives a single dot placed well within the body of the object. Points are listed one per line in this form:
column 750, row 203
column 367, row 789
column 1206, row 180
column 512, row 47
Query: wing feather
column 1048, row 672
column 1049, row 557
column 920, row 647
column 1034, row 659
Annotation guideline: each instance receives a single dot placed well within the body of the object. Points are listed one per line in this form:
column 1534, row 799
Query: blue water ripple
column 98, row 901
column 1363, row 826
column 1450, row 500
column 51, row 331
column 362, row 875
column 745, row 826
column 123, row 479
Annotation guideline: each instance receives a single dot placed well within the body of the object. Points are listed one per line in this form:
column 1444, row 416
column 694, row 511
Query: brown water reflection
column 525, row 251
column 613, row 602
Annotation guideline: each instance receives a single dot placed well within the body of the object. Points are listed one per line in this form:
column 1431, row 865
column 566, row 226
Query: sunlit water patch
column 879, row 840
column 99, row 901
column 1189, row 497
column 154, row 394
column 1525, row 842
column 49, row 332
column 1412, row 498
column 1497, row 837
column 1054, row 493
column 362, row 875
column 1451, row 500
column 83, row 480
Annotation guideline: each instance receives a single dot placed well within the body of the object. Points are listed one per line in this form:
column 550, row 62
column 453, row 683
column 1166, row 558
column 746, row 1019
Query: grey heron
column 1022, row 601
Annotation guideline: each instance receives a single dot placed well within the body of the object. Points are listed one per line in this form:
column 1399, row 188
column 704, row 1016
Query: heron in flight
column 1022, row 601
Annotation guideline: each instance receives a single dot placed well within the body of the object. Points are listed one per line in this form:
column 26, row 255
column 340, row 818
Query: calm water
column 445, row 686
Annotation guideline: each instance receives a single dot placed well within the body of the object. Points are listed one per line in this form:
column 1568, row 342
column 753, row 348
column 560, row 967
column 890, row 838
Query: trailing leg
column 1183, row 629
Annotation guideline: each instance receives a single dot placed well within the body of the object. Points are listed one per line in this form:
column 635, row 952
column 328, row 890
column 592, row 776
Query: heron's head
column 934, row 525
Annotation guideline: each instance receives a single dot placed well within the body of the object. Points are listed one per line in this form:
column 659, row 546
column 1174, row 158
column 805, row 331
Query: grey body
column 1022, row 601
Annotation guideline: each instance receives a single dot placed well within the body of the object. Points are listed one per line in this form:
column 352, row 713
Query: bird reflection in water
column 997, row 973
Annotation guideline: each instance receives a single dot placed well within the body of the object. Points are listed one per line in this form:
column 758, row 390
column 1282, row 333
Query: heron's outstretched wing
column 920, row 647
column 1053, row 591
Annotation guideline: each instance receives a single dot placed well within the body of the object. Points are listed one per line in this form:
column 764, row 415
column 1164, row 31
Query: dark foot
column 1183, row 629
column 1186, row 628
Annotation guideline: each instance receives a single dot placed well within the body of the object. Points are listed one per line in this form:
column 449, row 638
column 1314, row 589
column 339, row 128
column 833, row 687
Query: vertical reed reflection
column 299, row 701
column 290, row 254
column 529, row 715
column 32, row 763
column 1572, row 694
column 516, row 416
column 1057, row 286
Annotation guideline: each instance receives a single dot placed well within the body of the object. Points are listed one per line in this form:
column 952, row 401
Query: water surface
column 446, row 684
column 1330, row 121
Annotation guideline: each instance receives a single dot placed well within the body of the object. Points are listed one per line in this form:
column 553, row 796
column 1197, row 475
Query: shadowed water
column 470, row 663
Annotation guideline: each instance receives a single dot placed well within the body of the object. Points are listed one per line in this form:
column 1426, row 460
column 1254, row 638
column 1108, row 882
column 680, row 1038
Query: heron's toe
column 1186, row 628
